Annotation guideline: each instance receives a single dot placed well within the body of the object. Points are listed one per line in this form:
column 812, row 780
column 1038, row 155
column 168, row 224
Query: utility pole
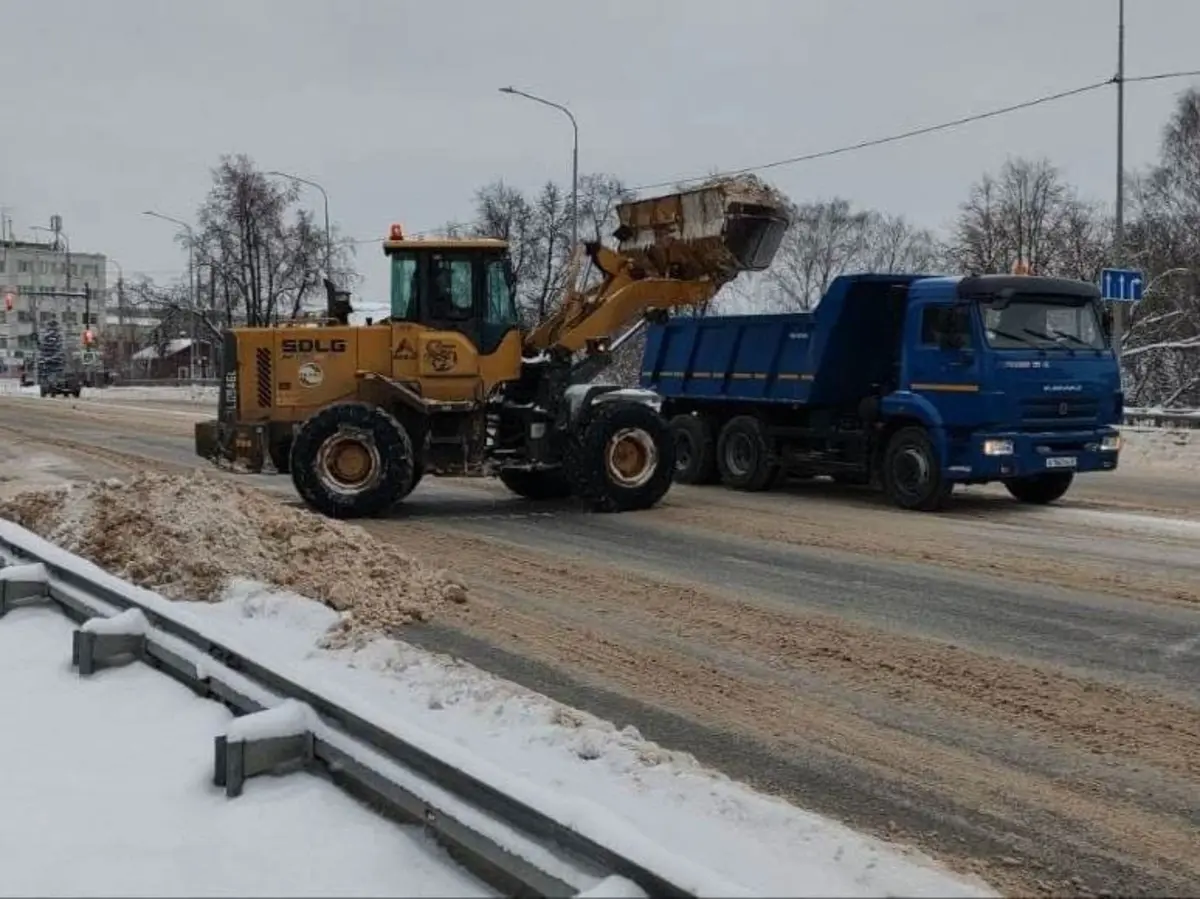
column 574, row 158
column 328, row 233
column 1119, row 309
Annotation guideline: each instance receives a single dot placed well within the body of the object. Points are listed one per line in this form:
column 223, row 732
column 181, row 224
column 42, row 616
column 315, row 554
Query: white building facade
column 41, row 283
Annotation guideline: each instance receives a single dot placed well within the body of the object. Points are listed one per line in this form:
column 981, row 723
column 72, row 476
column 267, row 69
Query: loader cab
column 454, row 284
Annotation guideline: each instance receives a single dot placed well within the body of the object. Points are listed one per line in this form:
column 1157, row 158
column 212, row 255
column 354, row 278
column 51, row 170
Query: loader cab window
column 500, row 315
column 405, row 274
column 451, row 287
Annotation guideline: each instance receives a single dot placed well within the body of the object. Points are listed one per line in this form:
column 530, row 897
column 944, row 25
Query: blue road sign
column 1122, row 285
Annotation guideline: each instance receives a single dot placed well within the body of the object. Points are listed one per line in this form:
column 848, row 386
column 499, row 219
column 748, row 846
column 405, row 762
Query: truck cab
column 1013, row 376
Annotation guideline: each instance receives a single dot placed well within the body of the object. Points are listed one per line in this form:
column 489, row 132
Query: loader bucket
column 716, row 230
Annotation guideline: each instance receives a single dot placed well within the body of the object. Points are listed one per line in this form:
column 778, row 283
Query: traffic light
column 9, row 299
column 88, row 337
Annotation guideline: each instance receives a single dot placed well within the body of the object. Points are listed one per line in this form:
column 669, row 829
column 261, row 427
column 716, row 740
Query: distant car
column 61, row 385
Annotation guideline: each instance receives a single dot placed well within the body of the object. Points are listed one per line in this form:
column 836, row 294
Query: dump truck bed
column 827, row 357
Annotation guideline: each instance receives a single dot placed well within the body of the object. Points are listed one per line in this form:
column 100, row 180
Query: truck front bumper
column 1000, row 456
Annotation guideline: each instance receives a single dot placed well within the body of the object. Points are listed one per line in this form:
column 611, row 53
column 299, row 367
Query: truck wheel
column 1040, row 489
column 695, row 450
column 912, row 477
column 352, row 460
column 536, row 485
column 622, row 458
column 744, row 456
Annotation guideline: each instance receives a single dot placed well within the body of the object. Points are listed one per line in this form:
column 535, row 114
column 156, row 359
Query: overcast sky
column 118, row 106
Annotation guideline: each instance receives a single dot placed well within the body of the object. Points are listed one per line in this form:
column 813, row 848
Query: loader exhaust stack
column 713, row 231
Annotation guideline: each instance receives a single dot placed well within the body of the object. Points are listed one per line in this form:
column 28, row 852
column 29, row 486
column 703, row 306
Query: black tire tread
column 767, row 470
column 395, row 448
column 584, row 466
column 538, row 486
column 699, row 430
column 935, row 498
column 1040, row 490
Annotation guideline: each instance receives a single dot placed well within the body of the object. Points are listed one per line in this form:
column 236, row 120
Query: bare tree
column 538, row 230
column 1028, row 213
column 1162, row 347
column 265, row 258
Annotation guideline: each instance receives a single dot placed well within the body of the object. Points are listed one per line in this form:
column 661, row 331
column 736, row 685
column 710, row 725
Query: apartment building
column 40, row 282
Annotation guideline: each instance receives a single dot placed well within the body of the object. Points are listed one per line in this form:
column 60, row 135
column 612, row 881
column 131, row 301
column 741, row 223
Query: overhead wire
column 877, row 141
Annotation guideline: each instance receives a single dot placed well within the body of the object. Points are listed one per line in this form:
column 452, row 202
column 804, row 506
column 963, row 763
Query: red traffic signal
column 88, row 337
column 8, row 301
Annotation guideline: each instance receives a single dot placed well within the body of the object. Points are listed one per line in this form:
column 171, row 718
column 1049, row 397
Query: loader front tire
column 536, row 485
column 622, row 458
column 352, row 460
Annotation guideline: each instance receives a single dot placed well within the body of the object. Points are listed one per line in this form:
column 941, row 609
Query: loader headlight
column 1110, row 443
column 997, row 447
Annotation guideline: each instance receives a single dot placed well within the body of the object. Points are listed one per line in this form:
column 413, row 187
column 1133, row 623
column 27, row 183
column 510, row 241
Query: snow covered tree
column 51, row 358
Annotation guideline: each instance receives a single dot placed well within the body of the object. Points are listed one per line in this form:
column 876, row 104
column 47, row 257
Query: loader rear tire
column 744, row 455
column 695, row 450
column 352, row 460
column 536, row 485
column 622, row 458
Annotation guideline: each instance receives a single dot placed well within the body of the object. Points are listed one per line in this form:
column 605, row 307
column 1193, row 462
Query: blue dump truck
column 910, row 383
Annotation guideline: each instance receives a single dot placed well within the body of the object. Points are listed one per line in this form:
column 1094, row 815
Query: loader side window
column 500, row 315
column 404, row 287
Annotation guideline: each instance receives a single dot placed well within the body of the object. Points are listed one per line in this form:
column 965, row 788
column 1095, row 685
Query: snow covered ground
column 201, row 395
column 107, row 791
column 766, row 845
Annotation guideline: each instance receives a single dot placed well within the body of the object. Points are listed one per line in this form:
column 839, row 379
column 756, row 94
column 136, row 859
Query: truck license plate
column 1061, row 462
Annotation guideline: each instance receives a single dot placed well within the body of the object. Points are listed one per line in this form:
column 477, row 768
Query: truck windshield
column 1042, row 322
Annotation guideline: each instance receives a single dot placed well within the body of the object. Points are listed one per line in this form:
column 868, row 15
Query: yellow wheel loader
column 449, row 385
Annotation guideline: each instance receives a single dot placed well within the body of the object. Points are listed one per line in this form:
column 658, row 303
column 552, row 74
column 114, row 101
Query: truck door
column 943, row 364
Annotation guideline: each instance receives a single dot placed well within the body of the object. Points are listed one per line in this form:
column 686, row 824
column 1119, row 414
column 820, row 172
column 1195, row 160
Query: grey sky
column 115, row 107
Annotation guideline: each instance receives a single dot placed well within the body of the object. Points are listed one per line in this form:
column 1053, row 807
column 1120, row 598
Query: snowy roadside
column 114, row 774
column 190, row 538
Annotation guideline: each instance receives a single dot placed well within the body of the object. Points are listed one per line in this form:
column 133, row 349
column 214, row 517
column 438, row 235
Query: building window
column 3, row 263
column 24, row 266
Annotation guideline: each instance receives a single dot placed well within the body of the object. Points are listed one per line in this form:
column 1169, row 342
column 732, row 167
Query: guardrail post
column 236, row 760
column 90, row 650
column 22, row 585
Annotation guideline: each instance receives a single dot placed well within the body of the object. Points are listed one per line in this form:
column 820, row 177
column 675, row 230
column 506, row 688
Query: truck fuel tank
column 716, row 230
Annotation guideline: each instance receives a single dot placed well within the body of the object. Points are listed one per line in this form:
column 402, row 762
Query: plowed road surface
column 1015, row 690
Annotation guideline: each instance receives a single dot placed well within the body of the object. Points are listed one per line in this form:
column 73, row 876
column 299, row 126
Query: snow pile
column 189, row 537
column 1161, row 448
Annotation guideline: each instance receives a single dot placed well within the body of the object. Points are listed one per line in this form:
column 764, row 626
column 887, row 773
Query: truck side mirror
column 1106, row 320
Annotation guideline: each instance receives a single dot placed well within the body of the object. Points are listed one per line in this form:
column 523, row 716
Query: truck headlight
column 1110, row 443
column 997, row 447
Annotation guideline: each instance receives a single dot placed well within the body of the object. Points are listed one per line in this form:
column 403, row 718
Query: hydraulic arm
column 675, row 250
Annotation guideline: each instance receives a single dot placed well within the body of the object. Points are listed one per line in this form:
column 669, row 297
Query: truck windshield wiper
column 1011, row 336
column 1045, row 336
column 1070, row 336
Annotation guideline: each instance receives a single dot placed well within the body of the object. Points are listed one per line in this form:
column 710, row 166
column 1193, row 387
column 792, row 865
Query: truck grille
column 1058, row 413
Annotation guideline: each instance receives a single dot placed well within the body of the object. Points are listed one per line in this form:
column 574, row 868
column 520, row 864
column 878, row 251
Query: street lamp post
column 574, row 158
column 192, row 297
column 328, row 233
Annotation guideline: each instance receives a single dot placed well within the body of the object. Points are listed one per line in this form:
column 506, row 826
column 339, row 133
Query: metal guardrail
column 514, row 847
column 1162, row 418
